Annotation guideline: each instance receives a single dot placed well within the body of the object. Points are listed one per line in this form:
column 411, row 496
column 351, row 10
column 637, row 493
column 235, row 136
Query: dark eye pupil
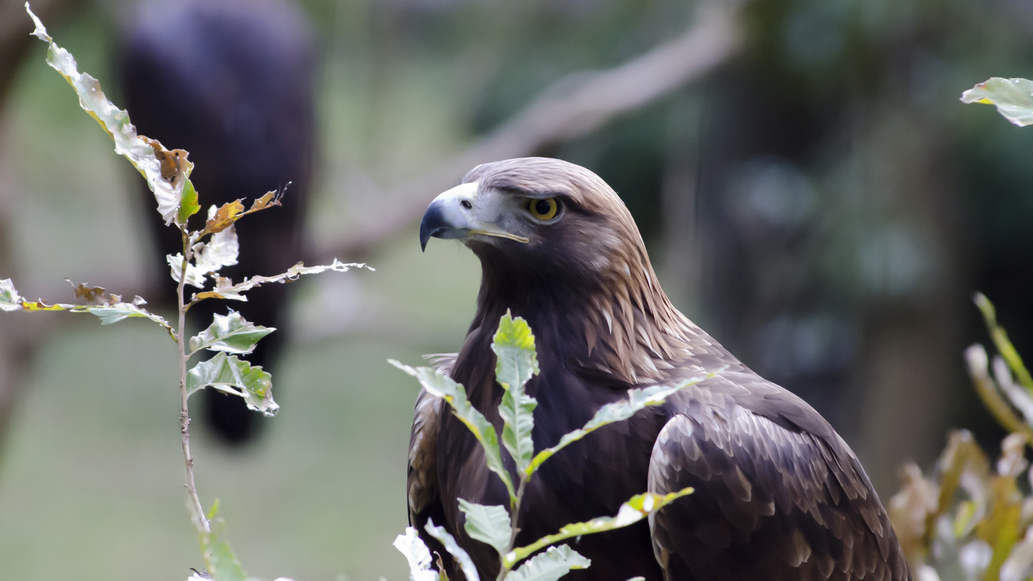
column 542, row 207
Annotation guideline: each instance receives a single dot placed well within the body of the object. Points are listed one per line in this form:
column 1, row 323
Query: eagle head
column 541, row 220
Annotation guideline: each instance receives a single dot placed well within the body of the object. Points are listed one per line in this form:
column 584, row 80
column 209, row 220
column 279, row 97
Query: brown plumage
column 779, row 495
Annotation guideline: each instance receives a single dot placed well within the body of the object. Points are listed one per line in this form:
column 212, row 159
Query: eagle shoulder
column 773, row 499
column 422, row 477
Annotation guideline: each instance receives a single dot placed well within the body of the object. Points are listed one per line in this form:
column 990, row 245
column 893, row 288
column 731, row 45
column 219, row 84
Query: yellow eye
column 543, row 209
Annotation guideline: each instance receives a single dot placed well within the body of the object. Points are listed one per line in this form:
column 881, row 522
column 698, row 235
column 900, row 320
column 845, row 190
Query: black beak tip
column 433, row 223
column 425, row 233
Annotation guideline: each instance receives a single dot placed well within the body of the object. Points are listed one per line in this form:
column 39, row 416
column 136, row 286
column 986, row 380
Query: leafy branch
column 205, row 252
column 516, row 364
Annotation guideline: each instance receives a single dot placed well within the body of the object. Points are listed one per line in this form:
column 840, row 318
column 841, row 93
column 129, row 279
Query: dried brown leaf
column 269, row 199
column 91, row 295
column 174, row 163
column 224, row 217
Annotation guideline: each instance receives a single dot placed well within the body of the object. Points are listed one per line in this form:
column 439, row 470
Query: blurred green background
column 820, row 202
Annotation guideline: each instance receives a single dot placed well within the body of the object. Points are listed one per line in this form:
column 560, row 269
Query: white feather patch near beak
column 452, row 215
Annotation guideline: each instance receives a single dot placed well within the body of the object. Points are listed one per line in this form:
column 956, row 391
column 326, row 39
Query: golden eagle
column 778, row 494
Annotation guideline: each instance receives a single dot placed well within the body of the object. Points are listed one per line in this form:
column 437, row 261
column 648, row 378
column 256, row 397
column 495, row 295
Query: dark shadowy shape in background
column 232, row 82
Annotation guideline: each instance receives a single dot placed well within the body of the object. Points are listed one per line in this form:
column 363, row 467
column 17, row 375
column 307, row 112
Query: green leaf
column 229, row 333
column 118, row 312
column 417, row 554
column 167, row 172
column 554, row 563
column 219, row 559
column 516, row 362
column 1001, row 341
column 231, row 375
column 615, row 412
column 517, row 411
column 454, row 394
column 514, row 349
column 488, row 524
column 188, row 205
column 1013, row 98
column 632, row 511
column 450, row 544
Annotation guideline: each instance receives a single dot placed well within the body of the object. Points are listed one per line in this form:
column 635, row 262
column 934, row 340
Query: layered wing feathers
column 772, row 501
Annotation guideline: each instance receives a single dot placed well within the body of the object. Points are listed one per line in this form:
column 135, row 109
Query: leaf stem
column 515, row 518
column 184, row 413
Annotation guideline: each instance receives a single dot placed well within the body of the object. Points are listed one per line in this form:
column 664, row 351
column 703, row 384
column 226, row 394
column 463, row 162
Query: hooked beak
column 451, row 216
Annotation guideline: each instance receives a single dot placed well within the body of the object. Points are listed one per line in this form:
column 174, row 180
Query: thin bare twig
column 572, row 107
column 184, row 412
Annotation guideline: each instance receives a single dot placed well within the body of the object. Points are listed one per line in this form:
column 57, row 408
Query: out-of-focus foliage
column 972, row 520
column 220, row 562
column 516, row 364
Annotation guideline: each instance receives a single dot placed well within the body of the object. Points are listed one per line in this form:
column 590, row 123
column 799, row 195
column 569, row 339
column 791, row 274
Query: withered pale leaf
column 1013, row 462
column 964, row 465
column 910, row 508
column 10, row 300
column 224, row 289
column 221, row 250
column 139, row 151
column 194, row 277
column 109, row 310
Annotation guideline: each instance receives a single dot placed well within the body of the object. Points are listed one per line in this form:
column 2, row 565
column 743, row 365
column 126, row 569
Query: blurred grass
column 91, row 469
column 91, row 484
